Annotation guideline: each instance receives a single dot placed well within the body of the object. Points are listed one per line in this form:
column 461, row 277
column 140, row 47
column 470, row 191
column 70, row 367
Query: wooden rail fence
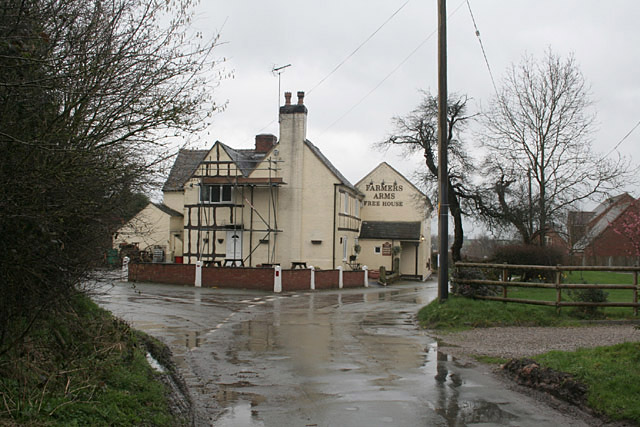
column 557, row 284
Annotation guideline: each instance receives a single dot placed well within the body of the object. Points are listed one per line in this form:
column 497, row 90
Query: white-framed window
column 357, row 208
column 216, row 193
column 346, row 203
column 344, row 248
column 377, row 250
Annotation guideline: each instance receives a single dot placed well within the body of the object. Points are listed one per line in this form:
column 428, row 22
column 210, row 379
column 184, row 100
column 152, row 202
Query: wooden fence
column 506, row 270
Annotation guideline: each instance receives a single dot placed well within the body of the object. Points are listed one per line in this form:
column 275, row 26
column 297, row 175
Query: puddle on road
column 474, row 412
column 240, row 406
column 155, row 365
column 239, row 415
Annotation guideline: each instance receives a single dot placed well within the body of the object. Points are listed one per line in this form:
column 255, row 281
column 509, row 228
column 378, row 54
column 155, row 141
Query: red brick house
column 610, row 235
column 552, row 238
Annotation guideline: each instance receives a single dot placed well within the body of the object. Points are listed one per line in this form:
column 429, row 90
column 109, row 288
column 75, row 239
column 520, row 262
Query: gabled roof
column 344, row 181
column 185, row 165
column 385, row 164
column 246, row 160
column 390, row 230
column 166, row 209
column 606, row 213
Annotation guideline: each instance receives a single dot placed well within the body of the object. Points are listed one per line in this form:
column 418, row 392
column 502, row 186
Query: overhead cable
column 390, row 73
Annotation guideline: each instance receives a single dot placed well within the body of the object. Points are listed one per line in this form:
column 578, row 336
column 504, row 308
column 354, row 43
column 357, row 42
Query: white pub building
column 283, row 203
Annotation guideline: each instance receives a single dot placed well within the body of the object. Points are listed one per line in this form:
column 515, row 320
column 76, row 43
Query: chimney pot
column 300, row 98
column 287, row 98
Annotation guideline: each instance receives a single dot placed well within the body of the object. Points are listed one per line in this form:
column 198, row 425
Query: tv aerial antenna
column 279, row 71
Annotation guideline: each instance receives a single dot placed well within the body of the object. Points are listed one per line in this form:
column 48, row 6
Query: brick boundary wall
column 171, row 274
column 327, row 279
column 242, row 277
column 238, row 278
column 353, row 279
column 297, row 280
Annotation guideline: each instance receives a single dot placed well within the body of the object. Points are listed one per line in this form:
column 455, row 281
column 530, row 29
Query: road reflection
column 337, row 358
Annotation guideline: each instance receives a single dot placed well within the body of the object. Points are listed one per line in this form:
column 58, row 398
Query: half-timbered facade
column 281, row 202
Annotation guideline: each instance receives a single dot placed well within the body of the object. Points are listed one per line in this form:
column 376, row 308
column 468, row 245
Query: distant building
column 283, row 202
column 394, row 215
column 610, row 235
column 552, row 238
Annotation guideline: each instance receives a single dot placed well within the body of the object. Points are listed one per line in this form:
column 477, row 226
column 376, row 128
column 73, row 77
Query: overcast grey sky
column 353, row 107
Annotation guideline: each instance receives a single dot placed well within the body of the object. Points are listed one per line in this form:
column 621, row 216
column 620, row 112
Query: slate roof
column 390, row 230
column 166, row 209
column 185, row 165
column 246, row 160
column 330, row 166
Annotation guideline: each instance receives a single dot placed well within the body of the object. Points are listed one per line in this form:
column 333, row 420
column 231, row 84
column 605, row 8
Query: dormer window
column 215, row 193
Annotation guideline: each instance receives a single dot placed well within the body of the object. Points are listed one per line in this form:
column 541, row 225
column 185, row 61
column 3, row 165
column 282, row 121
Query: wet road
column 329, row 358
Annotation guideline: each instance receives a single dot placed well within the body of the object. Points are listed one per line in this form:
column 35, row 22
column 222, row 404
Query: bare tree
column 89, row 94
column 538, row 134
column 417, row 132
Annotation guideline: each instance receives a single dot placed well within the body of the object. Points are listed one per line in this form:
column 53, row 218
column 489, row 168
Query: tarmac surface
column 350, row 357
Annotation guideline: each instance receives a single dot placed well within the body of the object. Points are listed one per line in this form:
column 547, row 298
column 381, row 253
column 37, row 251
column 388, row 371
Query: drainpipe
column 251, row 230
column 335, row 215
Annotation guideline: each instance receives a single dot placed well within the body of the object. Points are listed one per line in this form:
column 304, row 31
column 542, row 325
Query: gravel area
column 517, row 342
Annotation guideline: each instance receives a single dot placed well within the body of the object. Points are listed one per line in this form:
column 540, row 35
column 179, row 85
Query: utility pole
column 443, row 175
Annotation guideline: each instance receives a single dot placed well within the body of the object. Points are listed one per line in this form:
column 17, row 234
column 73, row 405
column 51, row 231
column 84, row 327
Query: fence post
column 340, row 281
column 505, row 278
column 558, row 289
column 313, row 277
column 125, row 268
column 635, row 292
column 198, row 274
column 366, row 276
column 277, row 279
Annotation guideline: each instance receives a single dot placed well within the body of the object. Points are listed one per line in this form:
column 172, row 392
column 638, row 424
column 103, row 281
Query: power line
column 390, row 74
column 484, row 53
column 358, row 48
column 346, row 59
column 623, row 139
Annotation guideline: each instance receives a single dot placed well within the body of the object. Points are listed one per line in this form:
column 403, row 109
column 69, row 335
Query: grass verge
column 610, row 373
column 460, row 313
column 464, row 313
column 81, row 366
